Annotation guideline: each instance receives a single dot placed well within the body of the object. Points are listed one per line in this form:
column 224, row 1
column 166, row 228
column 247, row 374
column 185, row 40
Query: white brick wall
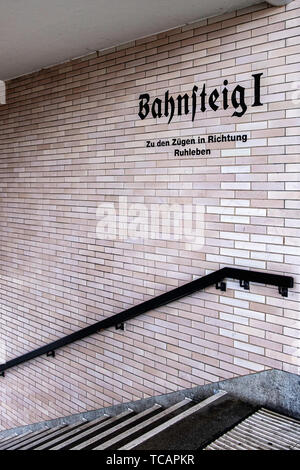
column 70, row 140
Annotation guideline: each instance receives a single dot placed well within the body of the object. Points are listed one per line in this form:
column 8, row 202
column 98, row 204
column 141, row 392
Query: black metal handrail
column 217, row 278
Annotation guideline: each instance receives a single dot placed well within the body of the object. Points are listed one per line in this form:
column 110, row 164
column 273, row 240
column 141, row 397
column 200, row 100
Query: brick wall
column 71, row 140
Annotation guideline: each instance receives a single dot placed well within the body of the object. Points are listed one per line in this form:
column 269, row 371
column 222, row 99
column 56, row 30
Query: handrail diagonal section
column 216, row 277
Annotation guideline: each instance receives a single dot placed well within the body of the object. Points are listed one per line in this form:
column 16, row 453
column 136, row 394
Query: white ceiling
column 39, row 33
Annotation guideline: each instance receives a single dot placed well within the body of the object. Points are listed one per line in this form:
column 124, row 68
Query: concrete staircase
column 187, row 424
column 126, row 430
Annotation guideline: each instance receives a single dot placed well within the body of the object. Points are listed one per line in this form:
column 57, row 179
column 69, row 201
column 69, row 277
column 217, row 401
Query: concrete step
column 219, row 422
column 69, row 433
column 36, row 437
column 95, row 430
column 6, row 439
column 11, row 439
column 60, row 431
column 172, row 421
column 22, row 438
column 117, row 429
column 207, row 420
column 144, row 426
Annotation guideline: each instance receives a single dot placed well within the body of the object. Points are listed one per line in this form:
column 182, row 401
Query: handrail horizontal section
column 260, row 277
column 160, row 300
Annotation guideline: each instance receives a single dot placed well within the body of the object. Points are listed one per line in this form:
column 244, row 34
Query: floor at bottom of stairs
column 263, row 430
column 193, row 432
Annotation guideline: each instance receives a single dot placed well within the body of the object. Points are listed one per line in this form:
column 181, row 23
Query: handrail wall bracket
column 245, row 284
column 283, row 291
column 221, row 286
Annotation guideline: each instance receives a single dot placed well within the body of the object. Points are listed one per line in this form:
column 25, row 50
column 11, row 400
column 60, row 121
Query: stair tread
column 174, row 420
column 36, row 437
column 13, row 439
column 118, row 427
column 201, row 427
column 58, row 432
column 138, row 427
column 7, row 438
column 70, row 432
column 86, row 433
column 22, row 438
